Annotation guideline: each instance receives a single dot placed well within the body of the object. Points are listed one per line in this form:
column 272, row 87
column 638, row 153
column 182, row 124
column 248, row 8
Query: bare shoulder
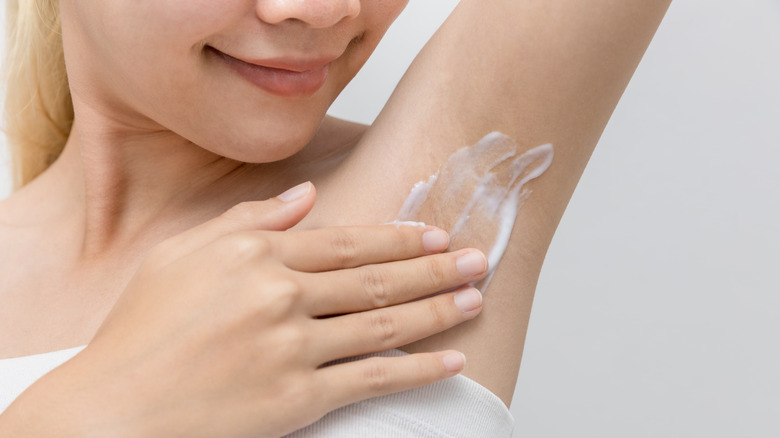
column 28, row 252
column 19, row 243
column 15, row 235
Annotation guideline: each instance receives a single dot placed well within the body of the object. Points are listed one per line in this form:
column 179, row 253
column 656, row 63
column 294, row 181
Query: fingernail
column 435, row 240
column 296, row 192
column 471, row 264
column 454, row 362
column 468, row 300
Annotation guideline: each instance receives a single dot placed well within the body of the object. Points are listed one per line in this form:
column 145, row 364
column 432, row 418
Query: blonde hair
column 38, row 106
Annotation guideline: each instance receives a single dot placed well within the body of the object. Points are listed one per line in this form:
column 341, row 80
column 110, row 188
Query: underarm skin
column 538, row 71
column 476, row 194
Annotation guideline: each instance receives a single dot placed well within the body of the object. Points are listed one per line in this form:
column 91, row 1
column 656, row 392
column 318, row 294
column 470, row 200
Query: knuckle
column 276, row 299
column 376, row 377
column 376, row 286
column 345, row 246
column 288, row 343
column 436, row 272
column 384, row 328
column 438, row 313
column 287, row 293
column 245, row 247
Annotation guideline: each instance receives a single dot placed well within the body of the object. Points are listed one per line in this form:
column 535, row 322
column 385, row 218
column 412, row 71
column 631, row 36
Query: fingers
column 275, row 214
column 351, row 382
column 381, row 285
column 347, row 247
column 383, row 329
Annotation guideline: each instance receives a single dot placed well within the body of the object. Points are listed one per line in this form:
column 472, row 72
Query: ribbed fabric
column 455, row 407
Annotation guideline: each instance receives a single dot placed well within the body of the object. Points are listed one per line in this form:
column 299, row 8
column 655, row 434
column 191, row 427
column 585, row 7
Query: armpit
column 476, row 194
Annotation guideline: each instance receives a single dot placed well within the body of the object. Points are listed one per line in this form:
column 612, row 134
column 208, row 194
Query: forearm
column 540, row 72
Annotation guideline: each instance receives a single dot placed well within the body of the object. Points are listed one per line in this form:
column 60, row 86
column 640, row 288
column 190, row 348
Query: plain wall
column 658, row 309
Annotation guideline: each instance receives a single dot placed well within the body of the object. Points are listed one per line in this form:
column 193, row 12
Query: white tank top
column 455, row 407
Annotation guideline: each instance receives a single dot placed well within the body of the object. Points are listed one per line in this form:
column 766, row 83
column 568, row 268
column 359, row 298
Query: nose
column 316, row 13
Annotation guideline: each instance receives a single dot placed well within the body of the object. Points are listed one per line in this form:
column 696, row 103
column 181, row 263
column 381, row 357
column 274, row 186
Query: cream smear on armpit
column 475, row 196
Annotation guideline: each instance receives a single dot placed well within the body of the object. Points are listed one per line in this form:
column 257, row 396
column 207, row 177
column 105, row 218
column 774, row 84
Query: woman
column 183, row 110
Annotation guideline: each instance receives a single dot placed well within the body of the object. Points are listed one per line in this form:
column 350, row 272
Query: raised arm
column 541, row 72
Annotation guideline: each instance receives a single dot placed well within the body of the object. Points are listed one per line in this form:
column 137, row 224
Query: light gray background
column 657, row 313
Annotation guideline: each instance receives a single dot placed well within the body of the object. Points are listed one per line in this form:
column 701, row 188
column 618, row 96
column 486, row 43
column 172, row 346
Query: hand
column 224, row 329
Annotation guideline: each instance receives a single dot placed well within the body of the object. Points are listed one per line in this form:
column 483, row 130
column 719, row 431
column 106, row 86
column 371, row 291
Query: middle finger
column 386, row 284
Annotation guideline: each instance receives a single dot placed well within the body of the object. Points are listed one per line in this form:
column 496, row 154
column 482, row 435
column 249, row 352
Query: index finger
column 334, row 248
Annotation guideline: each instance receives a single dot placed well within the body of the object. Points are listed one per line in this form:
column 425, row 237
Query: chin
column 260, row 150
column 263, row 137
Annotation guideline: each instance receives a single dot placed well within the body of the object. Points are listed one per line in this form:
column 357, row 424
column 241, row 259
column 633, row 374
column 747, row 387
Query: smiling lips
column 282, row 77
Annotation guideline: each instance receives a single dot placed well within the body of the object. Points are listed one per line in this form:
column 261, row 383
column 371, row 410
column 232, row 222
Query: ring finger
column 382, row 329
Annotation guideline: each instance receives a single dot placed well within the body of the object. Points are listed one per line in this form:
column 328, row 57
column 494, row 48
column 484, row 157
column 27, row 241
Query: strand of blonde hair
column 38, row 108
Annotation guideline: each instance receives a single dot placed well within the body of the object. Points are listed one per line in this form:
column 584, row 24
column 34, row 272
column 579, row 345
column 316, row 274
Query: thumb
column 275, row 214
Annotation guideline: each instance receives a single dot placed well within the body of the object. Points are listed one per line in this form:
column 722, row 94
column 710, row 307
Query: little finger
column 376, row 376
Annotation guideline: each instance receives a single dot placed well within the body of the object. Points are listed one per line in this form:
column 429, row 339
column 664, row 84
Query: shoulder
column 17, row 237
column 31, row 231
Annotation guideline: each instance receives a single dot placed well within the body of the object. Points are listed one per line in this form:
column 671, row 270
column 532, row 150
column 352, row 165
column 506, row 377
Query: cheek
column 156, row 76
column 145, row 58
column 134, row 54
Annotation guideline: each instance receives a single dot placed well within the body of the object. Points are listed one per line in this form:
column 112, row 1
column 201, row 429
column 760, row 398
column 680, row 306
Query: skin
column 564, row 66
column 162, row 143
column 201, row 298
column 131, row 175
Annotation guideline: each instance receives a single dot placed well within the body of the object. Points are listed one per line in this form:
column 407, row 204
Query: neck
column 117, row 189
column 131, row 185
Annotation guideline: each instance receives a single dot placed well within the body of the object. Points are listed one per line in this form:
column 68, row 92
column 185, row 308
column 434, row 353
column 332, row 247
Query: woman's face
column 246, row 79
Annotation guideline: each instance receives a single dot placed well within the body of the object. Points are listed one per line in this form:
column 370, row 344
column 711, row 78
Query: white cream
column 399, row 224
column 475, row 196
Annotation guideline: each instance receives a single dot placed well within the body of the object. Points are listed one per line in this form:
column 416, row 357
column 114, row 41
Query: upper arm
column 538, row 71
